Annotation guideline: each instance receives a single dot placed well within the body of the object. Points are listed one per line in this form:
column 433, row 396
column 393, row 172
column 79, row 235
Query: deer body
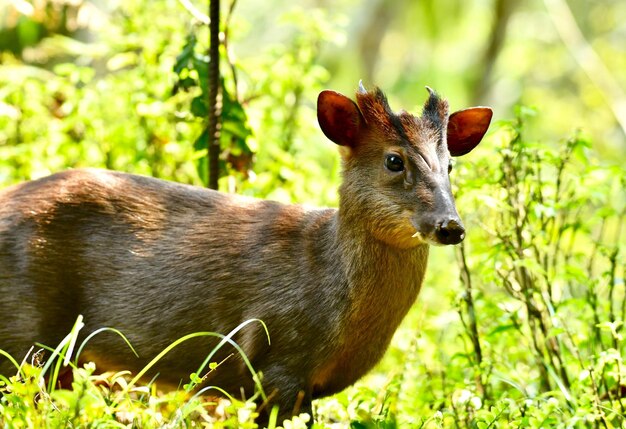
column 158, row 260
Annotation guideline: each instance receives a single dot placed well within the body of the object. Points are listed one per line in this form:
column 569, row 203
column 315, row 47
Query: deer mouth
column 440, row 233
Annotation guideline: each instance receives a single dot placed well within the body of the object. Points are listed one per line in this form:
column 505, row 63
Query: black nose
column 450, row 231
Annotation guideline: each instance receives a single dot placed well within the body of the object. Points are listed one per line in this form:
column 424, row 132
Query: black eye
column 394, row 163
column 449, row 167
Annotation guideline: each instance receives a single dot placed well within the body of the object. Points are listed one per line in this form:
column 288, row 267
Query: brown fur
column 159, row 260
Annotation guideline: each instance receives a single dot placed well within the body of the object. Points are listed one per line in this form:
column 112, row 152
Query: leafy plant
column 545, row 273
column 191, row 69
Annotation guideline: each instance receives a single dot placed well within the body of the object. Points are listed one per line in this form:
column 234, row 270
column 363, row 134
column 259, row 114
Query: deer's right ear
column 339, row 117
column 466, row 129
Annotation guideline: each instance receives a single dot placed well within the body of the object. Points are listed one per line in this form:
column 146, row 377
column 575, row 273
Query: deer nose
column 450, row 231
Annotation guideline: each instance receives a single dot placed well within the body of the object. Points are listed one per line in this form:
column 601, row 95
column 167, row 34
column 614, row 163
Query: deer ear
column 466, row 129
column 339, row 117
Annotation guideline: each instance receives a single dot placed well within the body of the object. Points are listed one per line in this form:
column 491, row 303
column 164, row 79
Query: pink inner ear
column 339, row 118
column 466, row 129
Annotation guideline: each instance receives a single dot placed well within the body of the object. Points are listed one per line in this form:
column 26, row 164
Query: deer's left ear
column 339, row 118
column 466, row 129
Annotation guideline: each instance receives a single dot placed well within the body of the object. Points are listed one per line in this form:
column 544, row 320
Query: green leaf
column 501, row 328
column 199, row 107
column 201, row 142
column 183, row 59
column 201, row 65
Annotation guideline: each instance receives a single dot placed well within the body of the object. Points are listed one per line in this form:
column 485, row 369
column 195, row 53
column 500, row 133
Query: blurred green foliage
column 133, row 99
column 494, row 52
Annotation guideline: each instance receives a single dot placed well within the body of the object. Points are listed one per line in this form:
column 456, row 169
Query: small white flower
column 461, row 397
column 476, row 402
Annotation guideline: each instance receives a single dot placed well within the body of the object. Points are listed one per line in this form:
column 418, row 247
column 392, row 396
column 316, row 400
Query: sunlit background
column 566, row 59
column 102, row 84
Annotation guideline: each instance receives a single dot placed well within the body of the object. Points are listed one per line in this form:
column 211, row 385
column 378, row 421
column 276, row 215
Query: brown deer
column 158, row 260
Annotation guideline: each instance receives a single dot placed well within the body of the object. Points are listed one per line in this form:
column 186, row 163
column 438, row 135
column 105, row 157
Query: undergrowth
column 529, row 335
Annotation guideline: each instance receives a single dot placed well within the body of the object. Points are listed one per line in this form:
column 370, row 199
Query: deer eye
column 449, row 166
column 394, row 163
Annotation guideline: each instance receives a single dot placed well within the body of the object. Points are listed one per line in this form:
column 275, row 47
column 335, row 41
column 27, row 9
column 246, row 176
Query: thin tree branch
column 503, row 11
column 204, row 19
column 587, row 58
column 213, row 129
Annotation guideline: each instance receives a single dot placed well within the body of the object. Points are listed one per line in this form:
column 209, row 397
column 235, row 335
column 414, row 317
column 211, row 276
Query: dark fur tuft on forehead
column 374, row 105
column 376, row 111
column 436, row 110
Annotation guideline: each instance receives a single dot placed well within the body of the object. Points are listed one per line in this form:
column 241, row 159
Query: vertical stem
column 466, row 279
column 213, row 131
column 227, row 50
column 592, row 296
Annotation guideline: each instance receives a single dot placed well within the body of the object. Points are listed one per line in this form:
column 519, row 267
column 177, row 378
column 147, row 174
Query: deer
column 158, row 260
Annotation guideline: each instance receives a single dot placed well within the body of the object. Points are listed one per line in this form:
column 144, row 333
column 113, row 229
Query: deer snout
column 449, row 231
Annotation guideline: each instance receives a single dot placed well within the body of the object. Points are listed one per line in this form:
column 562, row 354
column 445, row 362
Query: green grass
column 108, row 400
column 36, row 396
